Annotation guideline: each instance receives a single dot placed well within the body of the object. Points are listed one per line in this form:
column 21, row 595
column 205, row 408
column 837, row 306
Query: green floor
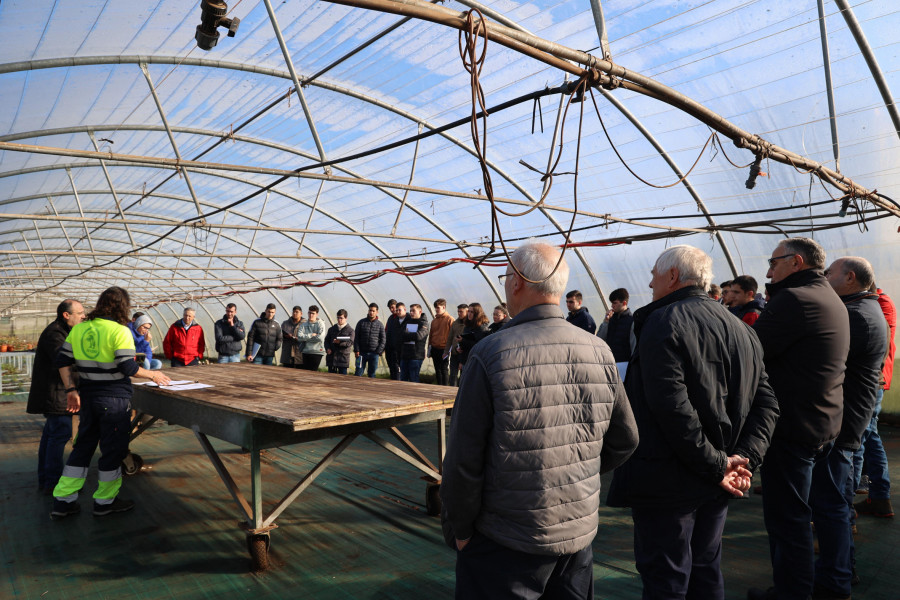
column 360, row 531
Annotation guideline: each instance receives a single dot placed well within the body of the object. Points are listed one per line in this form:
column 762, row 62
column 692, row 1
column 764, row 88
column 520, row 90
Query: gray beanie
column 141, row 320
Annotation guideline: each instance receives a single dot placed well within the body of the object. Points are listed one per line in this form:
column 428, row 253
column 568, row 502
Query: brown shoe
column 876, row 507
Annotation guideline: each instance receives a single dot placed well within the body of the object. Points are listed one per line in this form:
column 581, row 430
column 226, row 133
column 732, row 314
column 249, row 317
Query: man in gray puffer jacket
column 540, row 413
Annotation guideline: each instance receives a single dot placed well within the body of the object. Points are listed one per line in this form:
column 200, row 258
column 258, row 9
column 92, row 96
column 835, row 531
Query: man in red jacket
column 184, row 344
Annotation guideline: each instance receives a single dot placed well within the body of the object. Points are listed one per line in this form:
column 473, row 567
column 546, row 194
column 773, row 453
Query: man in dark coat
column 414, row 338
column 834, row 489
column 616, row 327
column 805, row 334
column 578, row 314
column 229, row 332
column 369, row 340
column 339, row 344
column 392, row 337
column 266, row 332
column 47, row 395
column 705, row 413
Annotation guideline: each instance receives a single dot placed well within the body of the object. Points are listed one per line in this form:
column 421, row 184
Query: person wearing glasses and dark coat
column 805, row 334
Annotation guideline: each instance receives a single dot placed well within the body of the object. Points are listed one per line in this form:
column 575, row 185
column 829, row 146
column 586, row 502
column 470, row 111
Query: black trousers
column 486, row 570
column 441, row 366
column 393, row 361
column 311, row 362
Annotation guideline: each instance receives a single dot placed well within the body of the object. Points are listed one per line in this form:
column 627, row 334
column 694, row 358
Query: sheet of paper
column 153, row 384
column 412, row 327
column 196, row 385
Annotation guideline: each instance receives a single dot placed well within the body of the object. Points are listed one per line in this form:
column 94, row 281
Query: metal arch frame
column 275, row 146
column 234, row 240
column 103, row 60
column 112, row 188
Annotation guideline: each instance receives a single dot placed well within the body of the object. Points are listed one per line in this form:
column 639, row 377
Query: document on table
column 177, row 386
column 153, row 383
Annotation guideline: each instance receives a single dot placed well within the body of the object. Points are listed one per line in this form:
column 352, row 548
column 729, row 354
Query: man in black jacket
column 339, row 344
column 229, row 333
column 392, row 338
column 615, row 329
column 705, row 414
column 369, row 340
column 413, row 336
column 266, row 332
column 805, row 334
column 834, row 490
column 578, row 314
column 47, row 395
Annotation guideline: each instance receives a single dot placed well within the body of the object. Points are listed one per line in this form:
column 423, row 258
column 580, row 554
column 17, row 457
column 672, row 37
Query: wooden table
column 258, row 407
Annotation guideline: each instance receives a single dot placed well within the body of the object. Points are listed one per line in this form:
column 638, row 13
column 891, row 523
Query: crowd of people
column 721, row 381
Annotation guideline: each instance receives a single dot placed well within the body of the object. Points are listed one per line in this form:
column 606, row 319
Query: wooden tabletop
column 302, row 399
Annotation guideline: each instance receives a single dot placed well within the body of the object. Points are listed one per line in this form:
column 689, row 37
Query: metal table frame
column 256, row 434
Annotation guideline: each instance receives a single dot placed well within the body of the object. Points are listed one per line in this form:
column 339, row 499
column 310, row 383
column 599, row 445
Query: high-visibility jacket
column 103, row 352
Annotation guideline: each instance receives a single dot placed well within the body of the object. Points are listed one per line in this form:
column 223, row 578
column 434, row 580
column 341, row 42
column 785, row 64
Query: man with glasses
column 805, row 334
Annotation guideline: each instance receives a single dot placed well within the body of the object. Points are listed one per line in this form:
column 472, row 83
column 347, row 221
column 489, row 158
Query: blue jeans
column 678, row 552
column 787, row 474
column 872, row 450
column 409, row 370
column 152, row 364
column 57, row 433
column 367, row 361
column 831, row 514
column 264, row 360
column 485, row 570
column 229, row 358
column 338, row 370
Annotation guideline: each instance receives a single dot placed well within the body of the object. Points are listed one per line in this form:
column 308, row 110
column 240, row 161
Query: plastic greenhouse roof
column 128, row 156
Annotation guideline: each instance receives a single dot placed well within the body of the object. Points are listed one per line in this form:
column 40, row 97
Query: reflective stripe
column 123, row 359
column 75, row 472
column 93, row 364
column 124, row 352
column 111, row 475
column 101, row 376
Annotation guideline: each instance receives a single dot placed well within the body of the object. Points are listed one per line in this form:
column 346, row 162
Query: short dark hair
column 412, row 306
column 296, row 308
column 746, row 283
column 342, row 313
column 373, row 305
column 113, row 304
column 440, row 302
column 392, row 302
column 574, row 294
column 231, row 305
column 270, row 306
column 459, row 306
column 64, row 307
column 620, row 294
column 398, row 304
column 135, row 315
column 725, row 284
column 502, row 309
column 813, row 254
column 312, row 308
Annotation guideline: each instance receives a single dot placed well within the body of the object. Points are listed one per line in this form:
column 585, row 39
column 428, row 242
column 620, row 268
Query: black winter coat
column 868, row 346
column 340, row 349
column 229, row 337
column 618, row 335
column 582, row 318
column 392, row 332
column 699, row 392
column 805, row 334
column 419, row 339
column 265, row 333
column 369, row 336
column 48, row 394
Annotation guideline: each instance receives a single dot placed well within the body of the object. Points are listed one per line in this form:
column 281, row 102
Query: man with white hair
column 540, row 414
column 805, row 334
column 705, row 413
column 184, row 344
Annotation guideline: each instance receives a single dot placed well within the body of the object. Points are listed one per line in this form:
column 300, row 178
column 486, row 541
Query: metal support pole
column 87, row 233
column 112, row 188
column 600, row 23
column 869, row 55
column 829, row 87
column 412, row 173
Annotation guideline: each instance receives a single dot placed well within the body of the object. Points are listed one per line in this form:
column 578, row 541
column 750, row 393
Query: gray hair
column 813, row 254
column 189, row 310
column 694, row 265
column 865, row 274
column 536, row 260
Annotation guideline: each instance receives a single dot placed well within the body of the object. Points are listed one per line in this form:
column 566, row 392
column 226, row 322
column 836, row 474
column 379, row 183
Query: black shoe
column 758, row 594
column 821, row 592
column 118, row 505
column 854, row 576
column 61, row 509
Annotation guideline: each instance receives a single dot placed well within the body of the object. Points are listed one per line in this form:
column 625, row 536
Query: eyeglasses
column 774, row 258
column 502, row 278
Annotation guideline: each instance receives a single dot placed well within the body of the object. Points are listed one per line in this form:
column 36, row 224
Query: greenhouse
column 339, row 153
